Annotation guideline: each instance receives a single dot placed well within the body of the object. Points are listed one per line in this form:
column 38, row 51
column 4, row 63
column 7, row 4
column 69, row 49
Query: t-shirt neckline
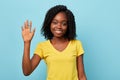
column 57, row 51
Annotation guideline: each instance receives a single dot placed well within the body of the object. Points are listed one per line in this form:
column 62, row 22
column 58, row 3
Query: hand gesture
column 27, row 33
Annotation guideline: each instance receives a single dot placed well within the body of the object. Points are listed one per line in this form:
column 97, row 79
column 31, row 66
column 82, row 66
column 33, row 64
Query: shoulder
column 75, row 41
column 43, row 43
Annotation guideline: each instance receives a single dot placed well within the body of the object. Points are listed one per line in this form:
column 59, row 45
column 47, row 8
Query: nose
column 59, row 25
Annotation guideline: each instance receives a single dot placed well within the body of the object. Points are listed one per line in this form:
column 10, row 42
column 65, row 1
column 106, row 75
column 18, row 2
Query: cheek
column 52, row 26
column 65, row 29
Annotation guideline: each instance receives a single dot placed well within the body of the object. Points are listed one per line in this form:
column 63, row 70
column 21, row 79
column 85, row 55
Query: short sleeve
column 80, row 49
column 38, row 50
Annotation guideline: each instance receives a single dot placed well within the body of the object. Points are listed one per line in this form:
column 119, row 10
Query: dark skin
column 58, row 28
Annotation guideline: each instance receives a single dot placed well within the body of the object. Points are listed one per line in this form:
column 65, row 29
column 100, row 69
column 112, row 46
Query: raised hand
column 27, row 33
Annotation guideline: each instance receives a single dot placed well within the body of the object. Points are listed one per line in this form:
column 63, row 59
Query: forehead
column 60, row 16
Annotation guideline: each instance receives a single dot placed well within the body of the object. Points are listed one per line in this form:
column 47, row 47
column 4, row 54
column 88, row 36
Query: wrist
column 27, row 42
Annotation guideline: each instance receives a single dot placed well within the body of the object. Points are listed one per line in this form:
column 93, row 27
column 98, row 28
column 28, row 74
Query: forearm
column 26, row 63
column 81, row 74
column 80, row 66
column 82, row 77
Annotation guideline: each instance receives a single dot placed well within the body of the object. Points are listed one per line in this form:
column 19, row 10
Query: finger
column 33, row 30
column 26, row 24
column 30, row 25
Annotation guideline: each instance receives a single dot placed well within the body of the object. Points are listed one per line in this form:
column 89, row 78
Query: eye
column 54, row 22
column 64, row 23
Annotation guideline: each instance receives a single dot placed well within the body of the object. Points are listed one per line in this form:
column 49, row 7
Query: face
column 59, row 25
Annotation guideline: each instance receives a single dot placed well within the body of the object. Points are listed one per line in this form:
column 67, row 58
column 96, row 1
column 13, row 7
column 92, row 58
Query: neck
column 58, row 40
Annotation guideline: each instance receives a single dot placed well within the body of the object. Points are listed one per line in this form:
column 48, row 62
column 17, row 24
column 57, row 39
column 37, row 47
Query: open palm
column 27, row 34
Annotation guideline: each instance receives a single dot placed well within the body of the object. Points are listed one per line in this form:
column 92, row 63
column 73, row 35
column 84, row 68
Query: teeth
column 58, row 31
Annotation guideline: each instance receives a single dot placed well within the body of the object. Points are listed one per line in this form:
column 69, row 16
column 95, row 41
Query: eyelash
column 63, row 23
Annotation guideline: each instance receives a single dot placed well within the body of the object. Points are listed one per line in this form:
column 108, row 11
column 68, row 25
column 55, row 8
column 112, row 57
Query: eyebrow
column 57, row 20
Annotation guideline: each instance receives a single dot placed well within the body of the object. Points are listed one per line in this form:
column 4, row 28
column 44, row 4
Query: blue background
column 98, row 27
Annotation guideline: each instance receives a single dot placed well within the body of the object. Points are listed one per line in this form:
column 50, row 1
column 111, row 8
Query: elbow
column 26, row 73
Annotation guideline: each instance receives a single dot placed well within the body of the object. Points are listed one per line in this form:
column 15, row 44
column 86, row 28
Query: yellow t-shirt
column 60, row 65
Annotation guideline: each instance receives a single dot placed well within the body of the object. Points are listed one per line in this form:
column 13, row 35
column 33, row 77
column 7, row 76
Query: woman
column 62, row 53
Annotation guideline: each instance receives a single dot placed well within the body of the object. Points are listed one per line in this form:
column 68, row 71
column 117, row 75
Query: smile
column 58, row 31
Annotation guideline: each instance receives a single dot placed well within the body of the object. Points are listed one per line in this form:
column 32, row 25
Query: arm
column 28, row 65
column 80, row 66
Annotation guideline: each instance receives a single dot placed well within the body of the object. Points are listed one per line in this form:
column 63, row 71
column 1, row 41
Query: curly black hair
column 51, row 13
